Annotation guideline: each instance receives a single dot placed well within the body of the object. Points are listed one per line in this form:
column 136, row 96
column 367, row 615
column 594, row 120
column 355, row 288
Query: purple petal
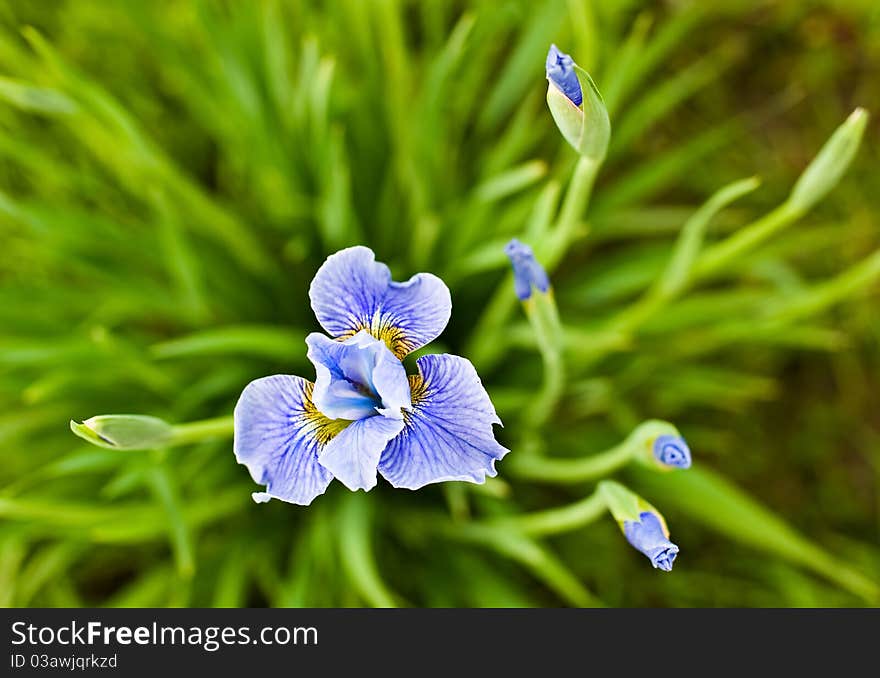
column 448, row 434
column 353, row 455
column 278, row 435
column 672, row 451
column 527, row 272
column 357, row 377
column 352, row 292
column 560, row 71
column 649, row 537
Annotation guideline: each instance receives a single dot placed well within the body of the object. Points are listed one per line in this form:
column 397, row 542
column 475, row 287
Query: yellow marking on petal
column 418, row 391
column 381, row 327
column 322, row 427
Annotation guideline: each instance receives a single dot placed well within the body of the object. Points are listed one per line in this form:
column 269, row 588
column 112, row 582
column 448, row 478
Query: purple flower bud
column 560, row 71
column 673, row 451
column 527, row 272
column 648, row 536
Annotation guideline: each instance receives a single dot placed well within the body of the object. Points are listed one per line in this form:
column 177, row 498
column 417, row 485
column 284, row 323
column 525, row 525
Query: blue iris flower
column 672, row 450
column 527, row 272
column 560, row 71
column 364, row 415
column 649, row 536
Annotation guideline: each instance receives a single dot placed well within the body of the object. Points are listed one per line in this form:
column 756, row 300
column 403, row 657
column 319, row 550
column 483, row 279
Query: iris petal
column 527, row 272
column 352, row 292
column 353, row 455
column 448, row 433
column 649, row 536
column 278, row 435
column 672, row 451
column 357, row 377
column 560, row 71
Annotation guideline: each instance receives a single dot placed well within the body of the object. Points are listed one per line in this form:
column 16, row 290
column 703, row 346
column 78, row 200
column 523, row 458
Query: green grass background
column 173, row 173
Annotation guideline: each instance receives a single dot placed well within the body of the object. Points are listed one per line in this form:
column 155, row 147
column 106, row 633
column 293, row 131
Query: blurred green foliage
column 172, row 174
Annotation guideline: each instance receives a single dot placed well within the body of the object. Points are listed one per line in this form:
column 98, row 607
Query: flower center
column 357, row 378
column 366, row 391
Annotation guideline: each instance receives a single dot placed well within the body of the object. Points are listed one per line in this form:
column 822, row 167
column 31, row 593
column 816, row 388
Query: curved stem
column 574, row 470
column 563, row 519
column 635, row 446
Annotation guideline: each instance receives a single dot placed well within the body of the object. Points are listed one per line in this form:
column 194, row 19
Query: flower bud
column 527, row 272
column 576, row 106
column 659, row 445
column 560, row 71
column 826, row 169
column 672, row 451
column 124, row 431
column 540, row 308
column 641, row 524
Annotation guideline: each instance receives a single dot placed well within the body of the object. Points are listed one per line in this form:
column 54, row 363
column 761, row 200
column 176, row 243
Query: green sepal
column 625, row 505
column 642, row 440
column 587, row 127
column 543, row 316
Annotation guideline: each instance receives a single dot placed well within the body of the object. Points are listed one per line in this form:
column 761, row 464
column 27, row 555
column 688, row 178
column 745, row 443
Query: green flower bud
column 580, row 115
column 124, row 431
column 641, row 524
column 829, row 165
column 659, row 445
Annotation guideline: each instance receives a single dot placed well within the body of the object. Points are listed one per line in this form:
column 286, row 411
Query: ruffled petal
column 353, row 455
column 278, row 435
column 448, row 433
column 352, row 292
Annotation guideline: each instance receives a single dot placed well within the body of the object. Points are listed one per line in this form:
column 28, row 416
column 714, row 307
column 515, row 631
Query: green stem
column 196, row 431
column 563, row 519
column 543, row 317
column 636, row 446
column 679, row 276
column 551, row 389
column 574, row 470
column 717, row 257
column 576, row 199
column 486, row 346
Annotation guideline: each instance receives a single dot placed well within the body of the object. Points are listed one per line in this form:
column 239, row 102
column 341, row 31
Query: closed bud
column 671, row 451
column 532, row 285
column 641, row 524
column 660, row 446
column 124, row 431
column 829, row 165
column 576, row 106
column 528, row 273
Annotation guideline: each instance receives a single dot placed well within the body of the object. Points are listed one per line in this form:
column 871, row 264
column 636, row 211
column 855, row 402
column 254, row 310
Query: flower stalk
column 638, row 446
column 558, row 520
